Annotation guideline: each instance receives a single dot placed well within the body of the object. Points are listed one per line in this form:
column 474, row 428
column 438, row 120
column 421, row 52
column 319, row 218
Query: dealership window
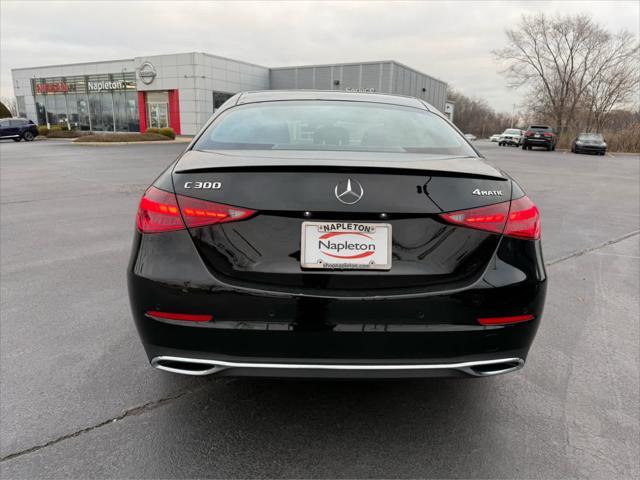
column 40, row 110
column 72, row 110
column 107, row 102
column 219, row 98
column 56, row 110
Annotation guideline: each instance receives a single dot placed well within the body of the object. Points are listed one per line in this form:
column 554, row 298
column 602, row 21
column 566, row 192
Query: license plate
column 346, row 245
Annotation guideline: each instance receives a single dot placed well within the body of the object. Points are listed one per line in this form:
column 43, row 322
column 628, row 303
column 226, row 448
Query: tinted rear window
column 332, row 125
column 540, row 128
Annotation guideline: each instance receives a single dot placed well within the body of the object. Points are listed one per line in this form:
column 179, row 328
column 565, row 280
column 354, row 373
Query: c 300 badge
column 204, row 185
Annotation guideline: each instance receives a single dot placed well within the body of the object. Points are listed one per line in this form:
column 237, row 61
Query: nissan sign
column 147, row 73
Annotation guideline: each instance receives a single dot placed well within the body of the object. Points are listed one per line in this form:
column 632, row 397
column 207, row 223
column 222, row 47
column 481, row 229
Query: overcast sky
column 451, row 41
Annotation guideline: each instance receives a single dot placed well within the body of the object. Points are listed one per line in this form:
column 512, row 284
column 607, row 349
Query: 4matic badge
column 487, row 193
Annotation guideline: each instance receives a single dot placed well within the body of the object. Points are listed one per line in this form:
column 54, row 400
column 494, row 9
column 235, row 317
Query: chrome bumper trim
column 481, row 368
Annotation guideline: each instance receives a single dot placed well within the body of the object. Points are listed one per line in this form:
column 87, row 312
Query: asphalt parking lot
column 78, row 398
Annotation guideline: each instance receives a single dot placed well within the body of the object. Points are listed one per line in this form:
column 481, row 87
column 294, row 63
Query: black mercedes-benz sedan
column 333, row 234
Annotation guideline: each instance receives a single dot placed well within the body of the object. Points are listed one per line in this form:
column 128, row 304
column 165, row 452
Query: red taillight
column 528, row 133
column 547, row 134
column 524, row 219
column 491, row 218
column 158, row 212
column 197, row 213
column 519, row 218
column 161, row 211
column 186, row 317
column 505, row 320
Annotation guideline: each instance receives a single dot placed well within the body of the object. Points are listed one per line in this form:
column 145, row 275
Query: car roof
column 281, row 95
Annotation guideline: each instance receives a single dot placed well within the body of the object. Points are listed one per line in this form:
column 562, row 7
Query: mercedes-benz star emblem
column 349, row 191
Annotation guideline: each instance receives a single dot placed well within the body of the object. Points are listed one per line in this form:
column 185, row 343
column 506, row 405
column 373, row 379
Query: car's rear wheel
column 28, row 136
column 524, row 147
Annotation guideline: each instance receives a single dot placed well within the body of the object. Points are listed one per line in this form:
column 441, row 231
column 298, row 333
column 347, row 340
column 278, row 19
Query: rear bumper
column 541, row 142
column 288, row 334
column 589, row 149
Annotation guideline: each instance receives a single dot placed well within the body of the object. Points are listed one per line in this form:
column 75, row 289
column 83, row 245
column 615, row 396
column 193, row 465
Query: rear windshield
column 540, row 128
column 590, row 136
column 332, row 125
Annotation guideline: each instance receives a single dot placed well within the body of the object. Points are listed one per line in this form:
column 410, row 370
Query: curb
column 152, row 142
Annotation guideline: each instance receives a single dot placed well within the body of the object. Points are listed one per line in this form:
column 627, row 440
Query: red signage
column 60, row 87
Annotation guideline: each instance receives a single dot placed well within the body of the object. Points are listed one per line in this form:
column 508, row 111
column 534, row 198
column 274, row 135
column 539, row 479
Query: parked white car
column 511, row 136
column 495, row 137
column 470, row 136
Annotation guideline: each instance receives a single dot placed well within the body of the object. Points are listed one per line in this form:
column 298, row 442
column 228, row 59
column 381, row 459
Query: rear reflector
column 161, row 211
column 505, row 320
column 186, row 317
column 519, row 218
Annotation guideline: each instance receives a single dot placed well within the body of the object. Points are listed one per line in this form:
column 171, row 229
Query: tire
column 28, row 136
column 553, row 148
column 524, row 147
column 16, row 139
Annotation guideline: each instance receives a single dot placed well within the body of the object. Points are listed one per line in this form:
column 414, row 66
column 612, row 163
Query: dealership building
column 181, row 91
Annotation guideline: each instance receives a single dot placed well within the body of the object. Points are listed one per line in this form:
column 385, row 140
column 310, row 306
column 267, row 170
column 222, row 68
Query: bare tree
column 11, row 104
column 615, row 83
column 474, row 115
column 562, row 59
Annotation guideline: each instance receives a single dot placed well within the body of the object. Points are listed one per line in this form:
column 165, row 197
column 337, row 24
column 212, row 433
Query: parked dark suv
column 18, row 129
column 539, row 136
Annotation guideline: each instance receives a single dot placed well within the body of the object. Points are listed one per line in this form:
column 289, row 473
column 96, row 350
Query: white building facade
column 181, row 91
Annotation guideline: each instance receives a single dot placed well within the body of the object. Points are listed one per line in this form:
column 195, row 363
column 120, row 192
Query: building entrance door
column 158, row 109
column 158, row 115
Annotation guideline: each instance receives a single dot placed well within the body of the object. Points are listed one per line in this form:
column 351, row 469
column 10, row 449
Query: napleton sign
column 107, row 85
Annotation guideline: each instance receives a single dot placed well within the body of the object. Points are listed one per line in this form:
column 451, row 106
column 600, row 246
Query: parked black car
column 589, row 143
column 539, row 136
column 18, row 129
column 335, row 234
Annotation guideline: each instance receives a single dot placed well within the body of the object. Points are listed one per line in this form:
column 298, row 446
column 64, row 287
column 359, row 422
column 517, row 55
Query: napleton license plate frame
column 346, row 264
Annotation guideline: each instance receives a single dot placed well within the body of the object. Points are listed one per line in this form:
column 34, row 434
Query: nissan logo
column 349, row 191
column 147, row 73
